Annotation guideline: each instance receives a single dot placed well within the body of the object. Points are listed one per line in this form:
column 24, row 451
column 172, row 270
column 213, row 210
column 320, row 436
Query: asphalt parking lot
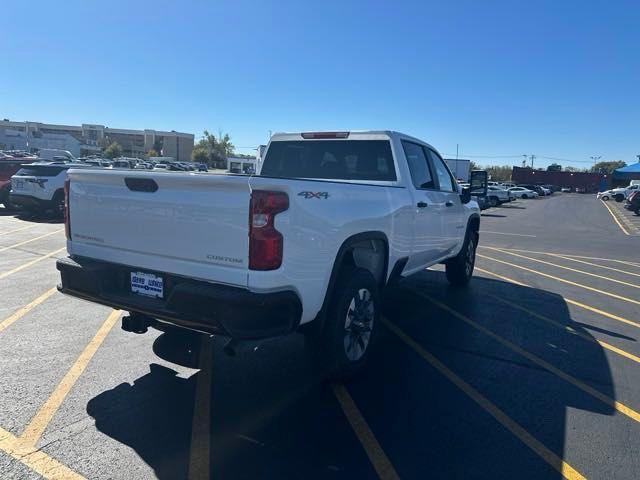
column 532, row 371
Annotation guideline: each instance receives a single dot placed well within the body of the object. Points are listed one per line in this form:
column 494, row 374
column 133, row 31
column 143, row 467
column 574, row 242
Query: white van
column 50, row 154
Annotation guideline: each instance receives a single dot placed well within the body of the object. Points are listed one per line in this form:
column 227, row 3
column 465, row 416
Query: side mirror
column 479, row 182
column 465, row 195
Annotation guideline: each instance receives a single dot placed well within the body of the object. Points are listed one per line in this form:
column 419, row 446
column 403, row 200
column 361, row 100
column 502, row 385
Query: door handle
column 449, row 203
column 422, row 204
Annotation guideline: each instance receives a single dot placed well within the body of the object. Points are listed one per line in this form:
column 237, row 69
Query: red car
column 10, row 163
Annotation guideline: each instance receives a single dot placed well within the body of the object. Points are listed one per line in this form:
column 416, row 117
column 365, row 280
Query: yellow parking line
column 569, row 282
column 26, row 309
column 19, row 229
column 377, row 457
column 504, row 250
column 624, row 262
column 620, row 407
column 38, row 461
column 32, row 262
column 199, row 454
column 29, row 241
column 566, row 470
column 616, row 219
column 568, row 300
column 568, row 329
column 598, row 265
column 39, row 422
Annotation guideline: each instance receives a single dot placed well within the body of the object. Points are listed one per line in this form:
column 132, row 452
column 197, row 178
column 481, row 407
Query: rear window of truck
column 40, row 171
column 330, row 159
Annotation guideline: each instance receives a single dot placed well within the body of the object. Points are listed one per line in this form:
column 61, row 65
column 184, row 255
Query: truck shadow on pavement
column 272, row 416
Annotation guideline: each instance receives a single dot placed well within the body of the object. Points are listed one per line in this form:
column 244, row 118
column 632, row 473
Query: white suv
column 39, row 187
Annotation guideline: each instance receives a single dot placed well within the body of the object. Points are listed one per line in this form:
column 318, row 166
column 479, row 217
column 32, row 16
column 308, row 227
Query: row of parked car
column 499, row 193
column 38, row 186
column 619, row 194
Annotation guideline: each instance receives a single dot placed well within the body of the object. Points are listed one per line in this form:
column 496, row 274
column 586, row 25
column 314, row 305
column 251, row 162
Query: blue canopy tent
column 624, row 174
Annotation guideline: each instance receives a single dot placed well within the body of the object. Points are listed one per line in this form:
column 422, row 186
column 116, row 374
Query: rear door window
column 330, row 159
column 418, row 165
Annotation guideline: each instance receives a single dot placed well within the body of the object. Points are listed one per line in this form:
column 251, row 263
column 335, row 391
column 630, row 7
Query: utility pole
column 532, row 158
column 457, row 152
column 524, row 161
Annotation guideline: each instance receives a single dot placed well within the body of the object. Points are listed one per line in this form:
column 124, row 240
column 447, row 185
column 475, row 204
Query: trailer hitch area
column 137, row 322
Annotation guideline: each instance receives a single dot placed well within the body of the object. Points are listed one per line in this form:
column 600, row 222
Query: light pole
column 595, row 159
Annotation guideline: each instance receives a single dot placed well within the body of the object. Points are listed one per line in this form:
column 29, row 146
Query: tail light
column 67, row 219
column 265, row 242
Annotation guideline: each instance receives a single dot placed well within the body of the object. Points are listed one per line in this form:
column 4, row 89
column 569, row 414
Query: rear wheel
column 351, row 324
column 57, row 203
column 460, row 268
column 493, row 201
column 524, row 195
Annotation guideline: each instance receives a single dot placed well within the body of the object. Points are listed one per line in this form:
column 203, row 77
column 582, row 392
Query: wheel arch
column 347, row 255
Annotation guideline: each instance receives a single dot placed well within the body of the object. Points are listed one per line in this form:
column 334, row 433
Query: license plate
column 147, row 284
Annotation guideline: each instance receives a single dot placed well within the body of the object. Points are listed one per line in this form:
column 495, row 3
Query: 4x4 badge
column 308, row 195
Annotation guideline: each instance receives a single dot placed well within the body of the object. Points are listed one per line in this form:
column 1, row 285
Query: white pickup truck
column 329, row 220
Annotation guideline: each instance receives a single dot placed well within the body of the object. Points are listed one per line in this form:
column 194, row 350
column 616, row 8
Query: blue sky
column 554, row 78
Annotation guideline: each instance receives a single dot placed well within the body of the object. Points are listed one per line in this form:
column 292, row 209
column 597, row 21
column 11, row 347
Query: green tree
column 608, row 167
column 499, row 173
column 554, row 167
column 200, row 155
column 152, row 153
column 114, row 150
column 474, row 166
column 217, row 149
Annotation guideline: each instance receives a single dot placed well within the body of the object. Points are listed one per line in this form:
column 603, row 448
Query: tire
column 351, row 324
column 524, row 195
column 459, row 269
column 57, row 203
column 605, row 198
column 618, row 197
column 493, row 202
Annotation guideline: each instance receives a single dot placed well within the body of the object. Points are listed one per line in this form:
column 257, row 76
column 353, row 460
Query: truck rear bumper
column 193, row 304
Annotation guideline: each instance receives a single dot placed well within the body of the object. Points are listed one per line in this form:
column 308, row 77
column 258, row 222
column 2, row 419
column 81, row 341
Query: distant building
column 89, row 139
column 246, row 165
column 592, row 182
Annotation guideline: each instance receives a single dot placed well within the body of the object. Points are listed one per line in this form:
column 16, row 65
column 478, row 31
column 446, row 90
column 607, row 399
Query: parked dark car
column 633, row 203
column 536, row 188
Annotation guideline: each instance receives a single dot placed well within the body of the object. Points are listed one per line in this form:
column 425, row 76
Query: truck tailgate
column 188, row 224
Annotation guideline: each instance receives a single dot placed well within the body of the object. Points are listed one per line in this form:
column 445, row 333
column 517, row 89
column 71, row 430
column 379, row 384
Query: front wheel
column 493, row 202
column 352, row 322
column 619, row 197
column 524, row 195
column 460, row 268
column 605, row 198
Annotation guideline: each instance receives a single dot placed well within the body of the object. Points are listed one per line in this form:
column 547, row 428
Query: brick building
column 592, row 182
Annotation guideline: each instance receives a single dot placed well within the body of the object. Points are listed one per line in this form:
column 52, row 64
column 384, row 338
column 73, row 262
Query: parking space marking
column 568, row 300
column 32, row 262
column 624, row 262
column 38, row 461
column 566, row 470
column 377, row 457
column 620, row 407
column 26, row 309
column 29, row 241
column 39, row 422
column 598, row 265
column 503, row 233
column 615, row 218
column 569, row 282
column 199, row 453
column 537, row 260
column 568, row 328
column 19, row 229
